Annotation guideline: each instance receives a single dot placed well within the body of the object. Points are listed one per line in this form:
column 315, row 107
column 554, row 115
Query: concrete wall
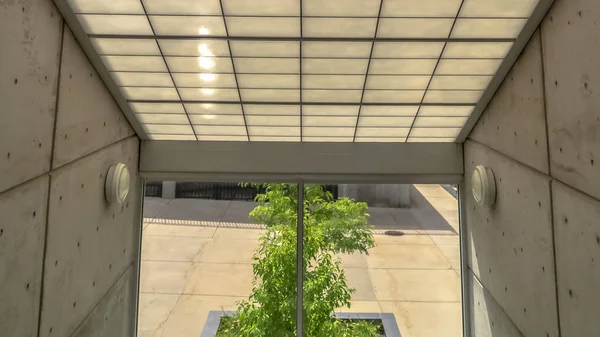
column 378, row 195
column 66, row 256
column 534, row 256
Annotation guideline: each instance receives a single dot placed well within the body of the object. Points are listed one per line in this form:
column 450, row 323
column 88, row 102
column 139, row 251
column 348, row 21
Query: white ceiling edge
column 513, row 54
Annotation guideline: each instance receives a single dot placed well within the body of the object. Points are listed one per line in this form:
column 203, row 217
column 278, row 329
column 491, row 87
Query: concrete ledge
column 390, row 327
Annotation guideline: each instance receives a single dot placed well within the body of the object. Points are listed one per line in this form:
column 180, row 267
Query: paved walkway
column 196, row 257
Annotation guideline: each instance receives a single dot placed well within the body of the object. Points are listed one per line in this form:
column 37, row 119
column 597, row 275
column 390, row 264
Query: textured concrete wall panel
column 488, row 319
column 111, row 318
column 88, row 117
column 514, row 121
column 510, row 244
column 22, row 228
column 571, row 44
column 29, row 56
column 89, row 242
column 577, row 226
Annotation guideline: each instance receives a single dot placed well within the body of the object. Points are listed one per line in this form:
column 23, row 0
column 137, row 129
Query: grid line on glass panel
column 434, row 70
column 237, row 83
column 305, row 38
column 308, row 16
column 168, row 70
column 362, row 94
column 305, row 103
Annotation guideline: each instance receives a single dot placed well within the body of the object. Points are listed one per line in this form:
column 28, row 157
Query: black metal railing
column 153, row 189
column 224, row 191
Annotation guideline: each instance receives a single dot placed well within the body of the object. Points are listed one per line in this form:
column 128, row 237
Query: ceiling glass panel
column 446, row 122
column 498, row 8
column 328, row 139
column 270, row 95
column 194, row 47
column 380, row 139
column 435, row 132
column 217, row 119
column 330, row 110
column 273, row 120
column 488, row 28
column 134, row 63
column 414, row 27
column 162, row 108
column 171, row 137
column 125, row 46
column 273, row 131
column 115, row 24
column 334, row 66
column 431, row 140
column 381, row 132
column 209, row 94
column 213, row 109
column 328, row 121
column 369, row 8
column 367, row 121
column 202, row 64
column 407, row 49
column 352, row 96
column 265, row 48
column 393, row 96
column 262, row 7
column 263, row 26
column 333, row 81
column 267, row 65
column 132, row 79
column 217, row 138
column 271, row 109
column 274, row 139
column 476, row 49
column 402, row 67
column 204, row 80
column 420, row 8
column 467, row 67
column 397, row 82
column 445, row 111
column 151, row 94
column 113, row 7
column 460, row 82
column 339, row 27
column 229, row 130
column 382, row 110
column 452, row 96
column 326, row 131
column 168, row 129
column 269, row 81
column 334, row 49
column 188, row 25
column 187, row 7
column 163, row 119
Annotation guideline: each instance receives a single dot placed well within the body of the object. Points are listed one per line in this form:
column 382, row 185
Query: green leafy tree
column 331, row 226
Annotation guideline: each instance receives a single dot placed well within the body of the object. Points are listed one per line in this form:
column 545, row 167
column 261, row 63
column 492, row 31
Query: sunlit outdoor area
column 220, row 260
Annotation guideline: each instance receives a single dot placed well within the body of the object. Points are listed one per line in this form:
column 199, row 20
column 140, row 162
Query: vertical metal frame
column 300, row 261
column 465, row 282
column 137, row 262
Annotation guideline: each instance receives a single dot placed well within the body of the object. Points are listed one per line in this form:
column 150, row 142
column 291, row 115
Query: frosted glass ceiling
column 303, row 70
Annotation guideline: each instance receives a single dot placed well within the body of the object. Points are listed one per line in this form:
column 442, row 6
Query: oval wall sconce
column 116, row 187
column 483, row 186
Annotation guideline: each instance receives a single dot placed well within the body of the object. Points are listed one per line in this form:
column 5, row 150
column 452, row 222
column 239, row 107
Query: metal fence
column 153, row 189
column 224, row 191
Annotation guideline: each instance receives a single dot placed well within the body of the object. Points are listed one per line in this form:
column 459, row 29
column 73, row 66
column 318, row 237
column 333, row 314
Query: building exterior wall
column 67, row 257
column 534, row 256
column 378, row 195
